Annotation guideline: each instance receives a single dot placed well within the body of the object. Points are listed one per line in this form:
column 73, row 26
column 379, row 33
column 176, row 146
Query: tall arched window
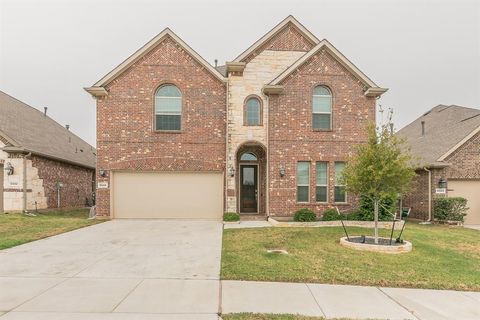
column 168, row 108
column 322, row 108
column 253, row 112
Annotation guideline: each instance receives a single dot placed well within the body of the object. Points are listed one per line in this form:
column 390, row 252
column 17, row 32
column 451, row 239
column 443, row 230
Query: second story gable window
column 322, row 108
column 253, row 112
column 168, row 108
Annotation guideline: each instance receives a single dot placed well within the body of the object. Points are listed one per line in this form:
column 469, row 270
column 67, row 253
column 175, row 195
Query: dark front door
column 248, row 188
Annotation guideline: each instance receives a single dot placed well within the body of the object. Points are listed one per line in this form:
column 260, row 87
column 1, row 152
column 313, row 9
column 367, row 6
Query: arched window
column 168, row 108
column 253, row 112
column 322, row 108
column 248, row 156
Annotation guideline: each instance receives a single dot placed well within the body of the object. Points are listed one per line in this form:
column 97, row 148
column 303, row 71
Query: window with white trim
column 322, row 179
column 168, row 108
column 303, row 181
column 322, row 108
column 339, row 194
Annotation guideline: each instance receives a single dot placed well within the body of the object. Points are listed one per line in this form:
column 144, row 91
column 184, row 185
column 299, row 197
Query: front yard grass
column 259, row 316
column 442, row 258
column 17, row 228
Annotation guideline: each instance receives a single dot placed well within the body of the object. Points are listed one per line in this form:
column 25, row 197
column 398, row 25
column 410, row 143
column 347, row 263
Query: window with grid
column 339, row 194
column 321, row 187
column 303, row 181
column 168, row 108
column 253, row 115
column 322, row 108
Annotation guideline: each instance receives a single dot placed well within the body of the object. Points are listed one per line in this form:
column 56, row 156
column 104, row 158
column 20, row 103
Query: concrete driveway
column 120, row 269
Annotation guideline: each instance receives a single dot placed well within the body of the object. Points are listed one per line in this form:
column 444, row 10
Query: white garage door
column 470, row 190
column 167, row 195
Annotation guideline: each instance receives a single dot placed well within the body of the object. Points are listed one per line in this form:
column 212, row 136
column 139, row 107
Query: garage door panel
column 167, row 195
column 470, row 190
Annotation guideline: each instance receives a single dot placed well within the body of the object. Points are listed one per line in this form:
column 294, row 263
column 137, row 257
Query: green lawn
column 16, row 228
column 442, row 257
column 257, row 316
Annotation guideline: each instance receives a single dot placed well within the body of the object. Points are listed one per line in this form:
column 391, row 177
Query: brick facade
column 292, row 139
column 464, row 163
column 77, row 182
column 213, row 134
column 126, row 139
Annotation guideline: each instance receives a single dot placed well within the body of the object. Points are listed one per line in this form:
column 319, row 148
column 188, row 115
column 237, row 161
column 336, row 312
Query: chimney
column 45, row 111
column 423, row 128
column 216, row 62
column 67, row 126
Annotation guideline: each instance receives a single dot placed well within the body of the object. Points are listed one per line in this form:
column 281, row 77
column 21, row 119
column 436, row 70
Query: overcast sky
column 426, row 52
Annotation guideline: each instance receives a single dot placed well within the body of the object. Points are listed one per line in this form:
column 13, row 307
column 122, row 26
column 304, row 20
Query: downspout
column 24, row 205
column 225, row 201
column 429, row 194
column 267, row 165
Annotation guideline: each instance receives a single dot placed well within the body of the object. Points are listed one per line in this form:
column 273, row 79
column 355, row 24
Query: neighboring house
column 446, row 141
column 266, row 134
column 42, row 164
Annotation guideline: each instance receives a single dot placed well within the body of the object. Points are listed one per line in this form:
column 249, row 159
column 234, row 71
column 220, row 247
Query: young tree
column 380, row 168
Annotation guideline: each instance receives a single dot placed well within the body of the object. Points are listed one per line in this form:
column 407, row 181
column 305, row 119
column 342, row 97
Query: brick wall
column 464, row 164
column 126, row 139
column 291, row 138
column 77, row 182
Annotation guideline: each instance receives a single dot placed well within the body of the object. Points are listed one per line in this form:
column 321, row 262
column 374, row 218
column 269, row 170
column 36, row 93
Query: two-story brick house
column 266, row 134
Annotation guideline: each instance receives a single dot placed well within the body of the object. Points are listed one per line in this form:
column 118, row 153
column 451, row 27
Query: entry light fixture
column 231, row 171
column 282, row 171
column 102, row 172
column 8, row 169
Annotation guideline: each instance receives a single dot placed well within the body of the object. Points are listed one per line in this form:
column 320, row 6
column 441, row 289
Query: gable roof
column 372, row 88
column 27, row 129
column 288, row 20
column 446, row 129
column 96, row 89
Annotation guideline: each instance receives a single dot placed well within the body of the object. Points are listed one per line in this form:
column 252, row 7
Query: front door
column 248, row 188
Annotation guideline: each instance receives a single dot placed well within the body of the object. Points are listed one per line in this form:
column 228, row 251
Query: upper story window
column 253, row 112
column 168, row 108
column 322, row 108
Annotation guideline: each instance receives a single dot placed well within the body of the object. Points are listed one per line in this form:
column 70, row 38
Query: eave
column 97, row 91
column 272, row 89
column 375, row 91
column 235, row 66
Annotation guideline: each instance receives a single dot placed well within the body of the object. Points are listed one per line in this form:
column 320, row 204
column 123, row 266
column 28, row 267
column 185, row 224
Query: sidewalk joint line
column 316, row 301
column 398, row 303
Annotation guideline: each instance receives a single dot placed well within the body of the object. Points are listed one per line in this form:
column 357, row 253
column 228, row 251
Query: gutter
column 429, row 194
column 24, row 206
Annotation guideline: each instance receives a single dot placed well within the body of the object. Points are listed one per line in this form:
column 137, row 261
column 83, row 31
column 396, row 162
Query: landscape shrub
column 304, row 215
column 450, row 209
column 231, row 216
column 331, row 215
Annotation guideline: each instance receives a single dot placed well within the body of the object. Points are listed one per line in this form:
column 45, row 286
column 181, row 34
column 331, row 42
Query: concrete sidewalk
column 355, row 302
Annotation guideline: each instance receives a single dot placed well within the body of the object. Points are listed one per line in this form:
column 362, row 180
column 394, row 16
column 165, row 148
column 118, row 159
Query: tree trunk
column 375, row 218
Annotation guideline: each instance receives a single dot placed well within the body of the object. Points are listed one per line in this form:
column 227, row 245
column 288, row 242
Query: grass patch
column 442, row 258
column 16, row 228
column 258, row 316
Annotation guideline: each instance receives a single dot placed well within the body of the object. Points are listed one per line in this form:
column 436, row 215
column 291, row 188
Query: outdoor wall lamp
column 8, row 169
column 442, row 183
column 282, row 171
column 231, row 171
column 102, row 172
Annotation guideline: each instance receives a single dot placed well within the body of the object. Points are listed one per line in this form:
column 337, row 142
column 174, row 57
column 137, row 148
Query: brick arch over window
column 253, row 111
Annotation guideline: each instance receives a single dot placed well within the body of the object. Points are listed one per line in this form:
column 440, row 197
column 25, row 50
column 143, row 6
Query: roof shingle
column 29, row 129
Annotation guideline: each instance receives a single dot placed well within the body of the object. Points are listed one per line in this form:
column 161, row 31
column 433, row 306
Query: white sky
column 426, row 52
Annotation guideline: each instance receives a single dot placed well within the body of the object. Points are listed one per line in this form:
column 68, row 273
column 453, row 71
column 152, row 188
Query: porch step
column 253, row 217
